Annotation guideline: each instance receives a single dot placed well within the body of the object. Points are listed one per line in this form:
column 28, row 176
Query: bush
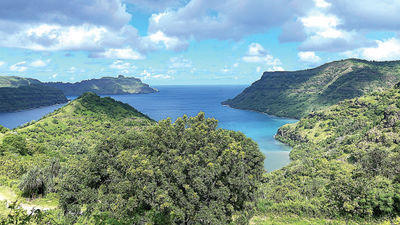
column 15, row 143
column 33, row 183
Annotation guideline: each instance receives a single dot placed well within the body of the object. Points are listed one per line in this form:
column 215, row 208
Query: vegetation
column 14, row 82
column 104, row 86
column 345, row 162
column 107, row 163
column 185, row 172
column 295, row 94
column 26, row 97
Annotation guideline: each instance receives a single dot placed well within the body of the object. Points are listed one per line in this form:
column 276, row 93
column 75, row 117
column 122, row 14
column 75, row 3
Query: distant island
column 17, row 93
column 104, row 86
column 296, row 93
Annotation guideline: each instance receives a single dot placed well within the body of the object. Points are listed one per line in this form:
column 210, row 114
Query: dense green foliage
column 185, row 172
column 295, row 94
column 66, row 135
column 104, row 86
column 31, row 96
column 3, row 129
column 109, row 164
column 19, row 216
column 345, row 162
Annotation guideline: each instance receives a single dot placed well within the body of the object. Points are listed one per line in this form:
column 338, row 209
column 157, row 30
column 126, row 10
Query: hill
column 297, row 93
column 106, row 163
column 17, row 93
column 345, row 162
column 104, row 86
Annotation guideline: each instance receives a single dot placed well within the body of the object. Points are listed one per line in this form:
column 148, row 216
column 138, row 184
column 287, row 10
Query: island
column 104, row 86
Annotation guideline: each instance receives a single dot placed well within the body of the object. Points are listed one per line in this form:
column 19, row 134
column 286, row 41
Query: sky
column 190, row 41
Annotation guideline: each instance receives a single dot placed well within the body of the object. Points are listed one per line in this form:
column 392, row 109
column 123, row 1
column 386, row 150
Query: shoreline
column 28, row 109
column 274, row 136
column 252, row 110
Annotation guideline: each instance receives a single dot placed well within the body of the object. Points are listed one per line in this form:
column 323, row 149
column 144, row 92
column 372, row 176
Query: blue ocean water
column 175, row 101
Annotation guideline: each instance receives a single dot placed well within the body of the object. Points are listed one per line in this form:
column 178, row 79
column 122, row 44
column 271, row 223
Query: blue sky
column 190, row 41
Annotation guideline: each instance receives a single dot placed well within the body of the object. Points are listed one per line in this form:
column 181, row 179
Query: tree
column 186, row 172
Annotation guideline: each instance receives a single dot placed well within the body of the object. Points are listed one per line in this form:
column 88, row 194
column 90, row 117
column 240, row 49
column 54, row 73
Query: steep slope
column 83, row 122
column 345, row 161
column 71, row 130
column 295, row 94
column 27, row 97
column 17, row 93
column 105, row 86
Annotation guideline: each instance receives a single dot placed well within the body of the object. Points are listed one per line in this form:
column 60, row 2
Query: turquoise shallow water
column 175, row 101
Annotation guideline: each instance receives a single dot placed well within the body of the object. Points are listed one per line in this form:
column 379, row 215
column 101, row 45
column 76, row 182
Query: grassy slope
column 345, row 162
column 295, row 94
column 105, row 85
column 68, row 133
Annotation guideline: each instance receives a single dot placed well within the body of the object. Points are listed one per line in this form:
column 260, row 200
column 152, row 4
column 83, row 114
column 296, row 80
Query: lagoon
column 175, row 101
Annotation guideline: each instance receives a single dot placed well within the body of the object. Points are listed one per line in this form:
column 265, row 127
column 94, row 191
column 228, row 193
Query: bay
column 175, row 101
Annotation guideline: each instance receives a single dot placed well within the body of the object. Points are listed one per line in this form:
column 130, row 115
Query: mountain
column 104, row 86
column 297, row 93
column 345, row 162
column 18, row 93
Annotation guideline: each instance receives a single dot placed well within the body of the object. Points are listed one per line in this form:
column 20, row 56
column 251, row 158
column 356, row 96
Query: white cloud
column 54, row 75
column 170, row 43
column 309, row 57
column 322, row 4
column 2, row 63
column 236, row 65
column 96, row 26
column 126, row 53
column 257, row 54
column 208, row 19
column 385, row 50
column 276, row 68
column 156, row 5
column 39, row 63
column 123, row 66
column 179, row 62
column 19, row 67
column 258, row 69
column 226, row 70
column 72, row 69
column 146, row 75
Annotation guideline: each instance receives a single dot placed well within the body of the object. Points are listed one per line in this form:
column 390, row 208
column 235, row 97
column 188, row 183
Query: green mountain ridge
column 17, row 93
column 104, row 86
column 345, row 162
column 294, row 94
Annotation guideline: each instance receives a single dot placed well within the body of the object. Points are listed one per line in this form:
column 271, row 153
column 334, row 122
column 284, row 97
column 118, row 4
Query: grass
column 49, row 201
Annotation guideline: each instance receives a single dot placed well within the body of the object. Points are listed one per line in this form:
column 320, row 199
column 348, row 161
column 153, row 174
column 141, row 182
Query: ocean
column 175, row 101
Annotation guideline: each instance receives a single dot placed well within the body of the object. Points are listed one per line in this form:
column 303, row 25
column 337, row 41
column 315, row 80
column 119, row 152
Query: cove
column 175, row 101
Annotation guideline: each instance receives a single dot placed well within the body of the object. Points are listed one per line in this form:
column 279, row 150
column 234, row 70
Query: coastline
column 39, row 107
